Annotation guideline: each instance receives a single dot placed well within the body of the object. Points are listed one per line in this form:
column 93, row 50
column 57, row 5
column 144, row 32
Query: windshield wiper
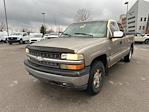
column 84, row 34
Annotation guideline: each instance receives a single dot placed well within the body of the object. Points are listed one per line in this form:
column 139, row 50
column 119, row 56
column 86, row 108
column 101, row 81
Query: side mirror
column 24, row 34
column 118, row 34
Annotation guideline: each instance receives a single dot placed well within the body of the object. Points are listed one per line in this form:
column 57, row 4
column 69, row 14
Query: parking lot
column 126, row 89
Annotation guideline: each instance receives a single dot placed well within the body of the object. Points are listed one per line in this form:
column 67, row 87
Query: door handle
column 120, row 42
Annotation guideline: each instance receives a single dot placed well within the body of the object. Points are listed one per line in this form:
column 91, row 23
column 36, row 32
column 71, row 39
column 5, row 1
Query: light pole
column 126, row 3
column 43, row 18
column 6, row 17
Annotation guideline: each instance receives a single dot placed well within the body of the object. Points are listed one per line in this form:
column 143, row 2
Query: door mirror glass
column 118, row 34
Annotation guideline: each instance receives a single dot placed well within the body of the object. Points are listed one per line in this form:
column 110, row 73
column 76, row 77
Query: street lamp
column 6, row 17
column 43, row 18
column 126, row 3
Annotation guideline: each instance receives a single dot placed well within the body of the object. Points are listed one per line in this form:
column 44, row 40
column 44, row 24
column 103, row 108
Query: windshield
column 88, row 29
column 16, row 34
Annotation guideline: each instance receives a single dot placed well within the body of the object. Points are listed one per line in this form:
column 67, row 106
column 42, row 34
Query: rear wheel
column 129, row 56
column 146, row 41
column 96, row 79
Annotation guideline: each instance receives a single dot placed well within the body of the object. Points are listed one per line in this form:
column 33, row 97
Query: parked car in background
column 3, row 36
column 146, row 37
column 19, row 37
column 35, row 37
column 140, row 38
column 51, row 35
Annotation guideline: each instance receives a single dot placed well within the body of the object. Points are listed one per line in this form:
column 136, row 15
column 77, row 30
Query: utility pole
column 43, row 18
column 6, row 17
column 126, row 3
column 55, row 23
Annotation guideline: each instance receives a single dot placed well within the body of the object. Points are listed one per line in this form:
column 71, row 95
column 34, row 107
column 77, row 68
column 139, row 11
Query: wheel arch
column 102, row 58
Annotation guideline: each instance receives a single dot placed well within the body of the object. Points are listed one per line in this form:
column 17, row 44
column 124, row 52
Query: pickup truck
column 81, row 56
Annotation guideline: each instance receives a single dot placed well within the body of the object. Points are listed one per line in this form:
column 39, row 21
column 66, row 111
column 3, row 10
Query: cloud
column 27, row 13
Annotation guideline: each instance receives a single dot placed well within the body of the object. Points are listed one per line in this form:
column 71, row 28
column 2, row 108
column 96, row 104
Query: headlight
column 27, row 50
column 72, row 56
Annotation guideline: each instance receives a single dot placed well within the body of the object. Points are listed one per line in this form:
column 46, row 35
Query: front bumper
column 13, row 41
column 78, row 82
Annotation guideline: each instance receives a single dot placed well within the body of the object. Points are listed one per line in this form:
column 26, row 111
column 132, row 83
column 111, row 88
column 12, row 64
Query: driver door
column 116, row 44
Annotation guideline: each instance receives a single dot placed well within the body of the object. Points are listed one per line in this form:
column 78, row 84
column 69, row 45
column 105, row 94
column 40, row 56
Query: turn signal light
column 72, row 67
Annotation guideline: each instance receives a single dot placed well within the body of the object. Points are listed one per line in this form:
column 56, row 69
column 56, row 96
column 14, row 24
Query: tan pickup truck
column 81, row 56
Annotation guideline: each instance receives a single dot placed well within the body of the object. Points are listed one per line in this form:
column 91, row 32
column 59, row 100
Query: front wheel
column 10, row 43
column 21, row 41
column 96, row 79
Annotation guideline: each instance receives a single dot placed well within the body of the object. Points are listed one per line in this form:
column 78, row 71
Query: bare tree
column 2, row 26
column 82, row 15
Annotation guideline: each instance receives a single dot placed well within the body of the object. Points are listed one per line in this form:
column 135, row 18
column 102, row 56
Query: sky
column 27, row 13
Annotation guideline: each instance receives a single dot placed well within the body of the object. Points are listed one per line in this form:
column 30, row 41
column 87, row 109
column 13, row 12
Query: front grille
column 43, row 63
column 33, row 40
column 12, row 38
column 45, row 54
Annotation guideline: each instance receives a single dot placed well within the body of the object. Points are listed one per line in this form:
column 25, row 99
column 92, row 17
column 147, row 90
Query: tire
column 96, row 78
column 10, row 43
column 129, row 56
column 5, row 41
column 21, row 41
column 146, row 41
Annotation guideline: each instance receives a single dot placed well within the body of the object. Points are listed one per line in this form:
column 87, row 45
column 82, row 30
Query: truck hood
column 69, row 43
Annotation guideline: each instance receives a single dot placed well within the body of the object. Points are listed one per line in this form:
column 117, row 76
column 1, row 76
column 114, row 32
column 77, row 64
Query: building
column 138, row 17
column 122, row 21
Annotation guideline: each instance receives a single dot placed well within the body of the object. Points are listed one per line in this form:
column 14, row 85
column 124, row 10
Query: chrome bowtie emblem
column 39, row 58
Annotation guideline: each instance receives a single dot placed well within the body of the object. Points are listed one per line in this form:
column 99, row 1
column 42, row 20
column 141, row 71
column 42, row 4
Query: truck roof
column 94, row 21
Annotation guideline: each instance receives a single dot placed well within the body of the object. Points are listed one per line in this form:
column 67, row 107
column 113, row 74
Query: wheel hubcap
column 130, row 55
column 147, row 42
column 21, row 41
column 97, row 78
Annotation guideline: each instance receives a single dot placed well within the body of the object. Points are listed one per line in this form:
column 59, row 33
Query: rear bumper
column 33, row 40
column 78, row 82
